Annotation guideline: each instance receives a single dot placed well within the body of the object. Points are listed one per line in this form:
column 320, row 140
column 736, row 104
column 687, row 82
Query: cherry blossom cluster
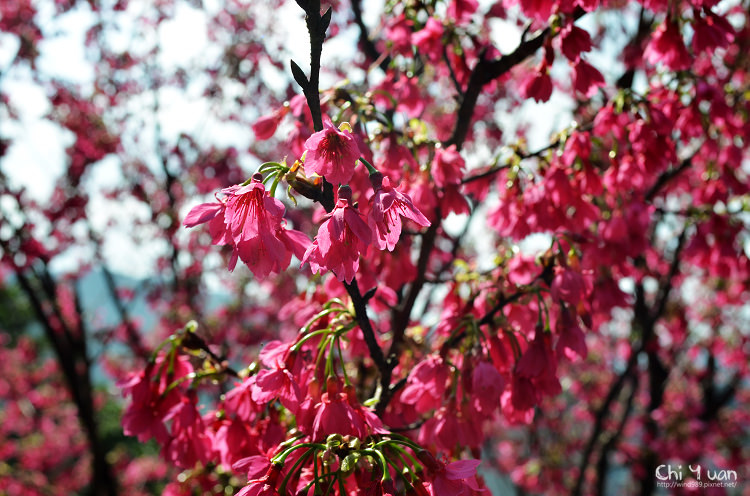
column 250, row 220
column 423, row 294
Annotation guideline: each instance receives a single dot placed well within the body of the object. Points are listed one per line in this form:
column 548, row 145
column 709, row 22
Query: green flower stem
column 307, row 337
column 321, row 347
column 320, row 315
column 302, row 459
column 282, row 456
column 383, row 463
column 390, row 442
column 343, row 368
column 398, row 471
column 404, row 440
column 329, row 371
column 401, row 452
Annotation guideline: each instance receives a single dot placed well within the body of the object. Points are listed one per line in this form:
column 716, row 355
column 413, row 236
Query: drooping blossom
column 538, row 366
column 188, row 443
column 442, row 430
column 711, row 31
column 460, row 11
column 572, row 341
column 340, row 240
column 574, row 41
column 426, row 384
column 538, row 86
column 251, row 221
column 214, row 214
column 429, row 39
column 277, row 383
column 568, row 285
column 398, row 33
column 577, row 146
column 448, row 167
column 255, row 466
column 587, row 78
column 266, row 126
column 388, row 206
column 538, row 9
column 263, row 486
column 233, row 440
column 336, row 416
column 151, row 403
column 239, row 400
column 538, row 359
column 456, row 478
column 666, row 46
column 331, row 153
column 487, row 384
column 339, row 412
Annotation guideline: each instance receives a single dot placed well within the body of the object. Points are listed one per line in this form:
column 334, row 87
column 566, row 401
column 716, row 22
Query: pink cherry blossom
column 487, row 385
column 389, row 205
column 151, row 403
column 711, row 32
column 456, row 478
column 426, row 384
column 331, row 153
column 341, row 239
column 265, row 127
column 586, row 78
column 538, row 85
column 263, row 486
column 448, row 167
column 666, row 46
column 189, row 443
column 253, row 225
column 572, row 341
column 336, row 416
column 461, row 10
column 428, row 39
column 574, row 41
column 277, row 383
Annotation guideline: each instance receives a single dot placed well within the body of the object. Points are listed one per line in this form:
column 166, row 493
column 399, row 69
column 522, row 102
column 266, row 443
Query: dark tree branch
column 368, row 46
column 133, row 337
column 376, row 353
column 602, row 466
column 714, row 401
column 456, row 83
column 599, row 417
column 402, row 313
column 316, row 27
column 71, row 353
column 625, row 81
column 488, row 70
column 522, row 156
column 644, row 320
column 667, row 176
column 668, row 282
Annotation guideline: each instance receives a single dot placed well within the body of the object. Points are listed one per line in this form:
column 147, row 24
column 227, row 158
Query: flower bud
column 428, row 460
column 334, row 441
column 349, row 463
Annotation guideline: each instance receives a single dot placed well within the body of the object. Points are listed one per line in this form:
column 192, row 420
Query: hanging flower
column 388, row 206
column 666, row 46
column 331, row 153
column 340, row 240
column 251, row 221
